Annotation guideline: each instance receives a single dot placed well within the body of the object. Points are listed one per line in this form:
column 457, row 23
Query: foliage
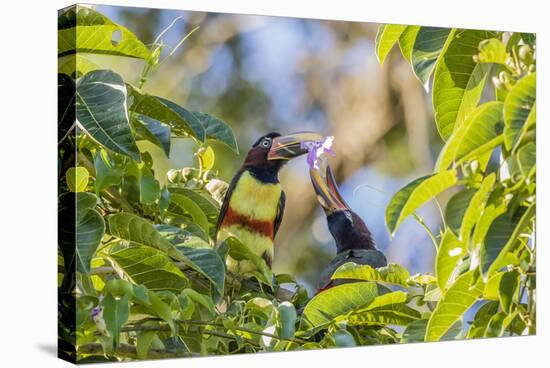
column 137, row 257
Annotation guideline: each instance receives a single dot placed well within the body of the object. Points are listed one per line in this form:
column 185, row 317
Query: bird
column 253, row 206
column 354, row 241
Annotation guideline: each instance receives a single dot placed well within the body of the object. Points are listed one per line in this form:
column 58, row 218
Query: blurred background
column 262, row 74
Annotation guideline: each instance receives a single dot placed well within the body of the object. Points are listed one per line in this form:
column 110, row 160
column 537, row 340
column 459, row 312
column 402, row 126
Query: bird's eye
column 266, row 143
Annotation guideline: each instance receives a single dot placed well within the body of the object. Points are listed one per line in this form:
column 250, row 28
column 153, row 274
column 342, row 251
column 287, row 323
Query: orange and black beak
column 327, row 191
column 287, row 147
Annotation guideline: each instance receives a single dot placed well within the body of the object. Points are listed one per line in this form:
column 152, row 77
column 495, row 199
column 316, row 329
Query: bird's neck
column 265, row 175
column 355, row 240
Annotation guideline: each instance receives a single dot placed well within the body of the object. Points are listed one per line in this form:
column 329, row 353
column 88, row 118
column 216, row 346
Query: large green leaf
column 450, row 252
column 87, row 31
column 179, row 119
column 337, row 302
column 458, row 80
column 481, row 320
column 208, row 263
column 428, row 44
column 115, row 313
column 203, row 199
column 80, row 229
column 527, row 158
column 218, row 130
column 409, row 198
column 181, row 205
column 518, row 105
column 457, row 207
column 416, row 331
column 154, row 131
column 101, row 111
column 287, row 320
column 140, row 231
column 502, row 236
column 476, row 206
column 392, row 273
column 456, row 301
column 150, row 267
column 508, row 290
column 387, row 36
column 386, row 309
column 478, row 134
column 406, row 41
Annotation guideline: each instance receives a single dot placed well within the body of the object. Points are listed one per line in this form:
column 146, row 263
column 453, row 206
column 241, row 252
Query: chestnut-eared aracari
column 353, row 239
column 253, row 207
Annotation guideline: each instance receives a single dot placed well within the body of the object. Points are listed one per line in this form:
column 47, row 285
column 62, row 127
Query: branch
column 129, row 351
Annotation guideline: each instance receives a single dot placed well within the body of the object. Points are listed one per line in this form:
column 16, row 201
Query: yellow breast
column 255, row 199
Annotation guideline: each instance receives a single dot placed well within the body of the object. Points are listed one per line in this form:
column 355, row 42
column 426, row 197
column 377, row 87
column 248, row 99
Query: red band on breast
column 232, row 217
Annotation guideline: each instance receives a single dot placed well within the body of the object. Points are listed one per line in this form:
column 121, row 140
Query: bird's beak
column 287, row 147
column 327, row 191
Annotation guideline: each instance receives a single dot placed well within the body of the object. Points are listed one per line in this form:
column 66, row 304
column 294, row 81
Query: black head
column 349, row 231
column 271, row 151
column 347, row 228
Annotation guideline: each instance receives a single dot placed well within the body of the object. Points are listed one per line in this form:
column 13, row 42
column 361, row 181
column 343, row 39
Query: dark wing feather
column 280, row 211
column 225, row 203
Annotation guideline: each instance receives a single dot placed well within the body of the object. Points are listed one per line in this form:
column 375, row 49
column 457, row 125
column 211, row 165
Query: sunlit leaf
column 392, row 273
column 517, row 109
column 406, row 41
column 493, row 51
column 77, row 178
column 428, row 45
column 87, row 31
column 458, row 80
column 409, row 198
column 450, row 252
column 387, row 36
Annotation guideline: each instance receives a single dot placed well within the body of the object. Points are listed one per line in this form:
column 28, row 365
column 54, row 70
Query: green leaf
column 143, row 342
column 387, row 36
column 218, row 130
column 87, row 31
column 76, row 65
column 508, row 290
column 207, row 158
column 409, row 198
column 492, row 51
column 184, row 206
column 392, row 273
column 406, row 41
column 457, row 207
column 501, row 237
column 450, row 252
column 386, row 309
column 476, row 206
column 478, row 133
column 149, row 189
column 154, row 131
column 416, row 331
column 203, row 199
column 456, row 301
column 428, row 45
column 527, row 158
column 107, row 174
column 101, row 111
column 80, row 230
column 458, row 80
column 180, row 120
column 239, row 252
column 481, row 320
column 337, row 303
column 150, row 267
column 517, row 109
column 343, row 338
column 208, row 263
column 77, row 178
column 115, row 313
column 287, row 320
column 202, row 300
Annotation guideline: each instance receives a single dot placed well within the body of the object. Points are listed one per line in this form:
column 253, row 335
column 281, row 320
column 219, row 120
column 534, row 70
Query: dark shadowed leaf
column 428, row 44
column 66, row 114
column 154, row 131
column 101, row 111
column 456, row 208
column 218, row 130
